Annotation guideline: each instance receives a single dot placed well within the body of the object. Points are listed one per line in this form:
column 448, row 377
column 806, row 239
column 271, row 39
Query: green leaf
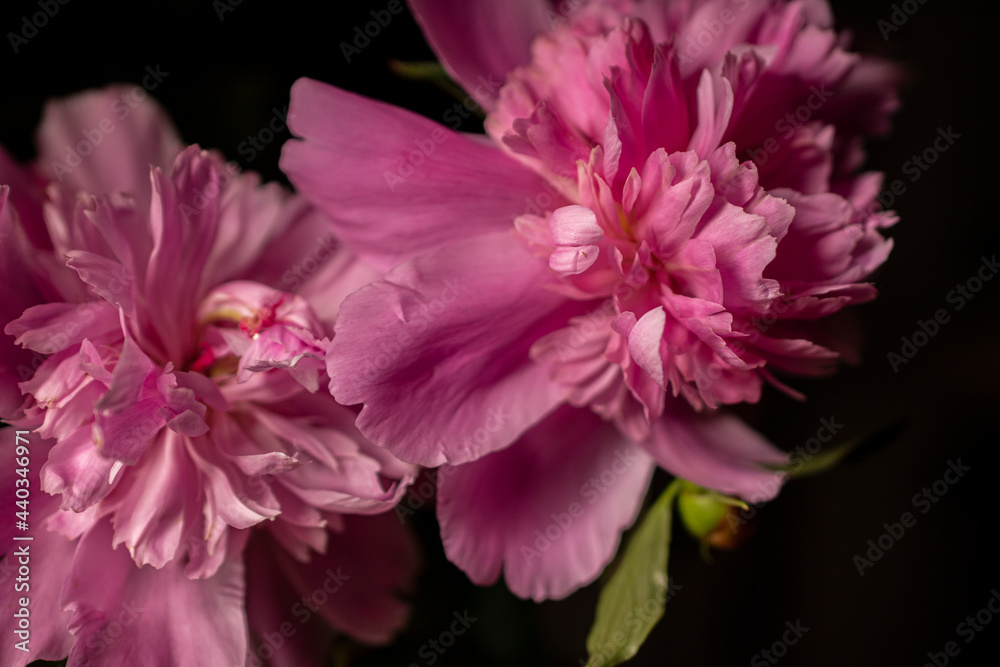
column 632, row 601
column 430, row 71
column 418, row 70
column 805, row 464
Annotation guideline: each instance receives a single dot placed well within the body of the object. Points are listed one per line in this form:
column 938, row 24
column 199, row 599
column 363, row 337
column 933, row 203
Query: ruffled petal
column 124, row 615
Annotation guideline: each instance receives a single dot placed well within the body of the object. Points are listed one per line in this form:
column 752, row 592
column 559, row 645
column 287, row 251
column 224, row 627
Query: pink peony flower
column 641, row 235
column 201, row 486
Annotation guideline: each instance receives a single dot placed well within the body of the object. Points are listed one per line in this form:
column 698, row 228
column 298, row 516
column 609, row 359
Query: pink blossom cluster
column 225, row 388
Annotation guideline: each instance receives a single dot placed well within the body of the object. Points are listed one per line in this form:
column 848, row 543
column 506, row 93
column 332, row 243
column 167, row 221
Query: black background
column 226, row 78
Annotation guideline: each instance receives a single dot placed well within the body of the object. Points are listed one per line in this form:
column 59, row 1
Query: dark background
column 226, row 78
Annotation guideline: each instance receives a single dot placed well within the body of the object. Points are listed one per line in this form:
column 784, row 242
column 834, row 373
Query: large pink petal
column 438, row 351
column 717, row 451
column 480, row 43
column 549, row 509
column 124, row 615
column 410, row 186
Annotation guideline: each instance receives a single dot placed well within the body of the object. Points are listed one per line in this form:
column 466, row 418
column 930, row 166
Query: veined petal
column 436, row 356
column 412, row 186
column 548, row 510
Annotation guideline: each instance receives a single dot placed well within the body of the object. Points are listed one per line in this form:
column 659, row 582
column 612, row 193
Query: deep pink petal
column 438, row 351
column 717, row 451
column 479, row 44
column 411, row 186
column 548, row 510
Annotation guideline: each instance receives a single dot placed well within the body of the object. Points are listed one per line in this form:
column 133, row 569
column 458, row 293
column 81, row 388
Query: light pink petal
column 715, row 106
column 571, row 261
column 548, row 510
column 51, row 327
column 717, row 451
column 644, row 343
column 161, row 613
column 108, row 279
column 340, row 275
column 479, row 44
column 104, row 141
column 340, row 470
column 438, row 351
column 156, row 501
column 231, row 497
column 129, row 414
column 743, row 247
column 411, row 186
column 575, row 226
column 76, row 470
